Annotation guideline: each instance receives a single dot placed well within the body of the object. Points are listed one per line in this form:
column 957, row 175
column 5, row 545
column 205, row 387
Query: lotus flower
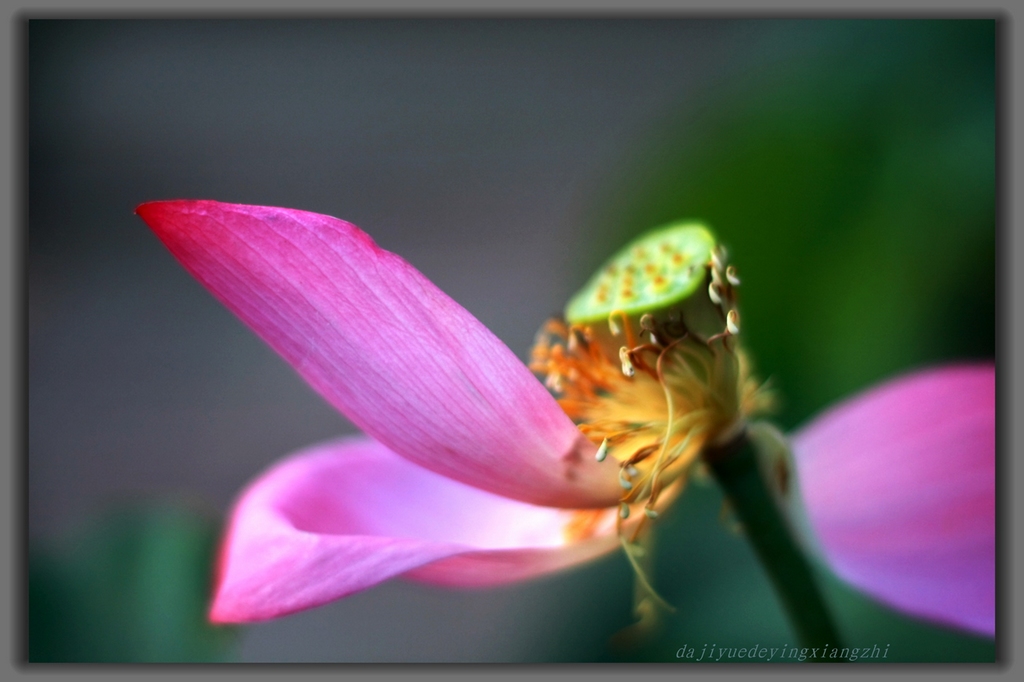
column 472, row 474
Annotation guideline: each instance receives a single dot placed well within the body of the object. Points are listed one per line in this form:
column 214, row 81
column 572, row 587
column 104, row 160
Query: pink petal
column 387, row 348
column 343, row 516
column 899, row 484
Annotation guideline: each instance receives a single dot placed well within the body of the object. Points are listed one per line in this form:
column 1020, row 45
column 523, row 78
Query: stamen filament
column 642, row 579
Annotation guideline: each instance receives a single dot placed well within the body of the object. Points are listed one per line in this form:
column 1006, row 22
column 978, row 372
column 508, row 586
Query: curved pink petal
column 387, row 348
column 899, row 484
column 343, row 516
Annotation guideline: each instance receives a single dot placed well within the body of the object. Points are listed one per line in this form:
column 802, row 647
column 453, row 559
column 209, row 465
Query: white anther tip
column 602, row 451
column 627, row 364
column 717, row 258
column 730, row 274
column 732, row 322
column 713, row 294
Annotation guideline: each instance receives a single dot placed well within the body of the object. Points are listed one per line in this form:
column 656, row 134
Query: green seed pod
column 663, row 284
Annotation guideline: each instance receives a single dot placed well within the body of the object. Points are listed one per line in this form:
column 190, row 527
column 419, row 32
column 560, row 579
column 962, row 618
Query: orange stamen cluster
column 648, row 365
column 678, row 381
column 654, row 421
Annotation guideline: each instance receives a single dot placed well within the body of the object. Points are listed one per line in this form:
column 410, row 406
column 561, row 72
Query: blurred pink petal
column 899, row 484
column 398, row 357
column 343, row 516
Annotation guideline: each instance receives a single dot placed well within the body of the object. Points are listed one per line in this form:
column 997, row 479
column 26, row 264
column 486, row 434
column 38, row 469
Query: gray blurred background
column 499, row 157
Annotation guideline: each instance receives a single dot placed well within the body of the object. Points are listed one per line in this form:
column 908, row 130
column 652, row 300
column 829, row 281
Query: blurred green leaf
column 851, row 172
column 852, row 175
column 132, row 586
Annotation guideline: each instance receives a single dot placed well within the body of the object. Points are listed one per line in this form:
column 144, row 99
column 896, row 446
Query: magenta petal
column 343, row 516
column 899, row 484
column 387, row 348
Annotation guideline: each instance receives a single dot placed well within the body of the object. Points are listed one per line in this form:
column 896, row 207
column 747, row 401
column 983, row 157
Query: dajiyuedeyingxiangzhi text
column 715, row 653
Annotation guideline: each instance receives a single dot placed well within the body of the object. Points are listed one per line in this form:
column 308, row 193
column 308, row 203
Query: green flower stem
column 735, row 466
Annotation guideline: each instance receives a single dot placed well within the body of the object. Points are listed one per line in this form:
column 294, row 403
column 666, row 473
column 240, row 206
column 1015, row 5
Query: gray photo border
column 13, row 311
